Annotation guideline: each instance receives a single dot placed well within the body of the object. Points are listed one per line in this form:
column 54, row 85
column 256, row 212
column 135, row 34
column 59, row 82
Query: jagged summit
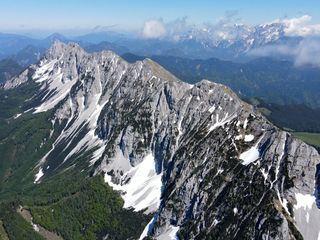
column 66, row 52
column 196, row 157
column 60, row 48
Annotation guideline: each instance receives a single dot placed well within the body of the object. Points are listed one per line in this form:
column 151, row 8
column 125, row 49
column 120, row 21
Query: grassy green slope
column 310, row 138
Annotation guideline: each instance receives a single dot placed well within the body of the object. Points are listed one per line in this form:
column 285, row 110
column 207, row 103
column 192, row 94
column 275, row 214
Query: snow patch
column 245, row 124
column 169, row 234
column 38, row 176
column 17, row 115
column 220, row 122
column 248, row 138
column 43, row 72
column 235, row 211
column 250, row 155
column 60, row 91
column 141, row 186
column 304, row 201
column 35, row 227
column 238, row 137
column 215, row 222
column 187, row 102
column 211, row 109
column 307, row 215
column 265, row 173
column 220, row 170
column 56, row 87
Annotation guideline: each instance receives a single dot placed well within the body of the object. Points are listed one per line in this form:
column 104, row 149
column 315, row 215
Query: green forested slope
column 68, row 202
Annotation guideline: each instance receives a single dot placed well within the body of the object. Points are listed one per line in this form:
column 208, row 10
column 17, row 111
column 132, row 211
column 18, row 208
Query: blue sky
column 131, row 14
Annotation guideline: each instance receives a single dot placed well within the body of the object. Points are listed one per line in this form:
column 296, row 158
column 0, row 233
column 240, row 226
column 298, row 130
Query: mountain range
column 237, row 42
column 94, row 147
column 193, row 54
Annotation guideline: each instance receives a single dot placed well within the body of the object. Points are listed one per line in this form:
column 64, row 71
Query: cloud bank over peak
column 301, row 26
column 175, row 29
column 294, row 38
column 225, row 27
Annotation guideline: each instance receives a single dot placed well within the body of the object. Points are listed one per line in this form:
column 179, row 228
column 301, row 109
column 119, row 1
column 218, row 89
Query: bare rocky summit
column 202, row 161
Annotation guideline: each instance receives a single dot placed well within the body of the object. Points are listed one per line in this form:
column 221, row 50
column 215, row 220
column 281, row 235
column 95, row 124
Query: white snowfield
column 248, row 138
column 307, row 216
column 143, row 190
column 250, row 155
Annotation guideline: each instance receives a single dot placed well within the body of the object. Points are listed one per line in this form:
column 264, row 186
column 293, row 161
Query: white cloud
column 308, row 52
column 225, row 27
column 305, row 53
column 154, row 29
column 181, row 27
column 176, row 28
column 272, row 50
column 301, row 26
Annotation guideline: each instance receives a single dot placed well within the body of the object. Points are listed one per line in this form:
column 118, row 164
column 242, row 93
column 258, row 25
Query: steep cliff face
column 196, row 157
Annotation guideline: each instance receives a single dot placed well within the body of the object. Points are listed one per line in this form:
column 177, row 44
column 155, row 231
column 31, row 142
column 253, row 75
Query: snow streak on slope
column 38, row 175
column 220, row 122
column 149, row 226
column 141, row 186
column 55, row 86
column 68, row 66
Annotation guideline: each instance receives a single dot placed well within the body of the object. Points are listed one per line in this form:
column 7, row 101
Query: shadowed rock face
column 197, row 157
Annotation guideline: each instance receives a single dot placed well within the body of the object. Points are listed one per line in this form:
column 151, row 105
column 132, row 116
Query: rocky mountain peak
column 196, row 157
column 58, row 49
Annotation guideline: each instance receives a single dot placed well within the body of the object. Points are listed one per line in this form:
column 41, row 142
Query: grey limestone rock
column 226, row 172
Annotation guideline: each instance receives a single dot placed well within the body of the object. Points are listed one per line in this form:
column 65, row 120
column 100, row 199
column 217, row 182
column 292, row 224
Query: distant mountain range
column 273, row 80
column 199, row 53
column 233, row 43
